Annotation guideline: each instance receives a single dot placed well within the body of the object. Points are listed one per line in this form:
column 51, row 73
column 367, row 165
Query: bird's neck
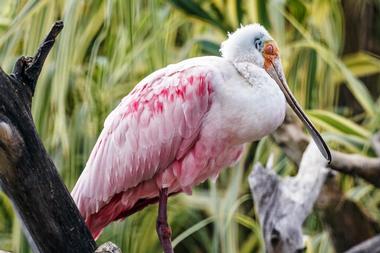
column 251, row 72
column 251, row 103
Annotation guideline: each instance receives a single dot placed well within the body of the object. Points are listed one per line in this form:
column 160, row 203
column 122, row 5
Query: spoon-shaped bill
column 277, row 74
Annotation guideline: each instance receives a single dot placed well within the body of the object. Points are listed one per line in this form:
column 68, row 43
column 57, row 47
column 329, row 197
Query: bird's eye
column 258, row 44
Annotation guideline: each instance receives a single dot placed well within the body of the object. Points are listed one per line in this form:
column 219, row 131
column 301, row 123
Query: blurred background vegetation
column 330, row 50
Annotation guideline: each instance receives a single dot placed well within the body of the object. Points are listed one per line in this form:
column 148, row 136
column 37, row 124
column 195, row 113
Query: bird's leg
column 163, row 229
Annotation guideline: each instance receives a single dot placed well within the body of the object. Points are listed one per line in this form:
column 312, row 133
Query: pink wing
column 154, row 125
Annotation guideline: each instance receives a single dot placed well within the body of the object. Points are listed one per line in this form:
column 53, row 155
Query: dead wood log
column 51, row 221
column 282, row 205
column 338, row 214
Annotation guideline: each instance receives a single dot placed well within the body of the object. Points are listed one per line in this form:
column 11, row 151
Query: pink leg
column 163, row 229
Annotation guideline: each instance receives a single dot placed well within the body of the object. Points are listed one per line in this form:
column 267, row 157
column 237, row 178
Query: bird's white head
column 248, row 44
column 253, row 44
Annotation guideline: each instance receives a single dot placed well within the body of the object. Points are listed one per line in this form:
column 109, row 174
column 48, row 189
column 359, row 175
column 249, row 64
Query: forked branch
column 337, row 213
column 283, row 204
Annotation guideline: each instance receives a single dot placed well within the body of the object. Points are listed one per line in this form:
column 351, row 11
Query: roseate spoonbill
column 181, row 125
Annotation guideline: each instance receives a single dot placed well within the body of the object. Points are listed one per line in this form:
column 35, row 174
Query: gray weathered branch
column 338, row 214
column 283, row 204
column 291, row 138
column 369, row 246
column 365, row 167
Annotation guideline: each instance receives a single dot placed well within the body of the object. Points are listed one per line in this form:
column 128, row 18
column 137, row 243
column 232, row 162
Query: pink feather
column 154, row 138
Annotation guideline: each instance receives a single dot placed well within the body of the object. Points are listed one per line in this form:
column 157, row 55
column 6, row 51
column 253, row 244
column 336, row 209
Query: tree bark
column 51, row 221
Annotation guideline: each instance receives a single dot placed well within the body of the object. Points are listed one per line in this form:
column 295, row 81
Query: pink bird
column 182, row 125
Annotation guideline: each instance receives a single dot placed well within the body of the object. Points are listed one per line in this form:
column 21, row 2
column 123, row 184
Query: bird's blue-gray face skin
column 253, row 44
column 259, row 43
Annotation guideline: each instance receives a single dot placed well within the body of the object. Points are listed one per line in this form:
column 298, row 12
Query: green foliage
column 107, row 46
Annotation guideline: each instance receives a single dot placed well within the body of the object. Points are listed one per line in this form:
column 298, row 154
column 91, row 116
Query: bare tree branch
column 338, row 213
column 369, row 246
column 283, row 204
column 291, row 138
column 357, row 165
